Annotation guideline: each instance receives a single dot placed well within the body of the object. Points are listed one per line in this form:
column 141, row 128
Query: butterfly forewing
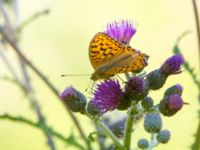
column 102, row 48
column 109, row 57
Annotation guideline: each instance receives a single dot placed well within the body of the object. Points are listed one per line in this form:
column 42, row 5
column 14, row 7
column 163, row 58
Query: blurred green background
column 58, row 44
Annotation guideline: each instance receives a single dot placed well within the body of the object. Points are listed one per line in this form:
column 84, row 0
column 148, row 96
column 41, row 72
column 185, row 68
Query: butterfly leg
column 120, row 78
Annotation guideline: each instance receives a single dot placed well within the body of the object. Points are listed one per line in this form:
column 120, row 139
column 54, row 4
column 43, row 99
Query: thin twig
column 197, row 24
column 37, row 125
column 27, row 85
column 31, row 19
column 15, row 47
column 8, row 65
column 36, row 106
column 46, row 81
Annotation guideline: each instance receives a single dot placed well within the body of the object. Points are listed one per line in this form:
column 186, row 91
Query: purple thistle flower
column 172, row 65
column 171, row 105
column 68, row 92
column 73, row 99
column 175, row 102
column 107, row 96
column 121, row 31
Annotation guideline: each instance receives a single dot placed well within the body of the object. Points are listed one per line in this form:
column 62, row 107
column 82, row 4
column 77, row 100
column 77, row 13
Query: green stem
column 196, row 144
column 108, row 132
column 128, row 128
column 153, row 143
column 37, row 125
column 194, row 3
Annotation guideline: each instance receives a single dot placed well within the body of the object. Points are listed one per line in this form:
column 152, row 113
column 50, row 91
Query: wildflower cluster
column 132, row 96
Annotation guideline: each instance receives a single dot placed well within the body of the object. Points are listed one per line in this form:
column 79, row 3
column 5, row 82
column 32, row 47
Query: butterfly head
column 145, row 57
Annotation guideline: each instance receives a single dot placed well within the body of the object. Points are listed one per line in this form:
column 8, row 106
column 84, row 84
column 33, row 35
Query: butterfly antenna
column 71, row 75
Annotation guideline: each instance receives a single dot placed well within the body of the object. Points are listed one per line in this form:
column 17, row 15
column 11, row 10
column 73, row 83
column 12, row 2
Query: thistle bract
column 175, row 89
column 156, row 79
column 147, row 103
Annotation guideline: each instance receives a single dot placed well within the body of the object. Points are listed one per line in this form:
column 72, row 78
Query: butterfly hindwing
column 109, row 57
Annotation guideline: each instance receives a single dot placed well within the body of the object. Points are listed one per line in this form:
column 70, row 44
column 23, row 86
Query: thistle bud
column 93, row 109
column 152, row 123
column 163, row 136
column 143, row 143
column 136, row 88
column 172, row 65
column 156, row 79
column 170, row 105
column 147, row 103
column 73, row 99
column 175, row 89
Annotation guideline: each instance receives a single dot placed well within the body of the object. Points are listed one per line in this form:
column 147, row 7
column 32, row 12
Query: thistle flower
column 171, row 105
column 107, row 96
column 121, row 31
column 152, row 123
column 73, row 99
column 137, row 88
column 175, row 89
column 172, row 65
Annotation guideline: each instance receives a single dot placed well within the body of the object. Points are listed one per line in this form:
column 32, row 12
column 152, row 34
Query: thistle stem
column 153, row 143
column 194, row 3
column 196, row 145
column 108, row 132
column 128, row 128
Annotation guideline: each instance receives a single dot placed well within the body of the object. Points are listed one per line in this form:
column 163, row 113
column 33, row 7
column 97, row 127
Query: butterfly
column 109, row 57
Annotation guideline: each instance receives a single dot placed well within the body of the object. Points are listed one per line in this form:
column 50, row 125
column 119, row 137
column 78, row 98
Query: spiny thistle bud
column 143, row 143
column 163, row 136
column 147, row 103
column 73, row 99
column 136, row 88
column 156, row 79
column 152, row 123
column 121, row 31
column 172, row 65
column 107, row 96
column 93, row 109
column 175, row 89
column 170, row 105
column 125, row 103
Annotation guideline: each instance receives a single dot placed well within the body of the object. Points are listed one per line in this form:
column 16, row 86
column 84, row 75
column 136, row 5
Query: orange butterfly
column 109, row 57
